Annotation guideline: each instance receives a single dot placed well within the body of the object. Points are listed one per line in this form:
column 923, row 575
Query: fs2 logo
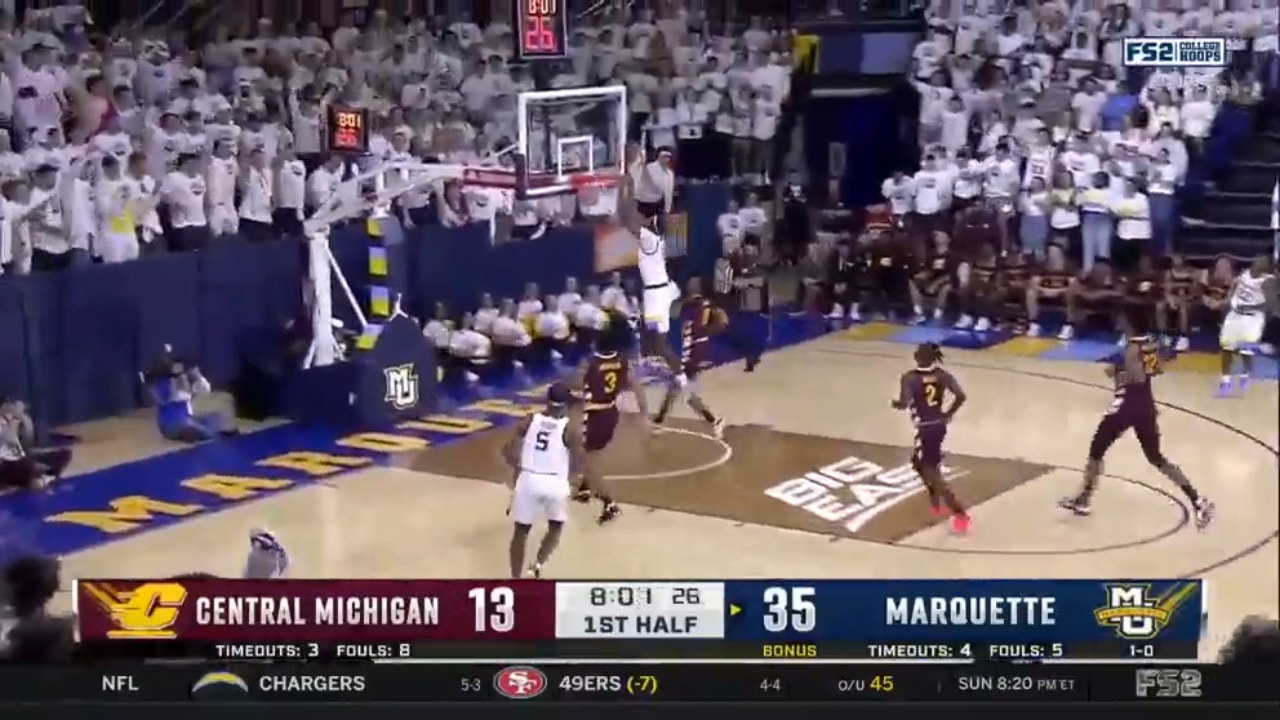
column 1136, row 614
column 1168, row 682
column 402, row 386
column 520, row 683
column 1175, row 52
column 146, row 612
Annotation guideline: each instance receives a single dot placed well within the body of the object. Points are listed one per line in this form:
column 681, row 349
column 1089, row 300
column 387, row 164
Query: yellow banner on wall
column 804, row 47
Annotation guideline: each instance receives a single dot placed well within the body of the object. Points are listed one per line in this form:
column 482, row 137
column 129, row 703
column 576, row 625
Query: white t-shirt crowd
column 1026, row 105
column 233, row 132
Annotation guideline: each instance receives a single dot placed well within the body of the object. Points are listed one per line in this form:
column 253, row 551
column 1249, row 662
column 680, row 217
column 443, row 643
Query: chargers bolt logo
column 220, row 678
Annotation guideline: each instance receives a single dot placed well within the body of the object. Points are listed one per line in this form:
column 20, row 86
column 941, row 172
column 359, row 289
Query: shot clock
column 348, row 130
column 542, row 29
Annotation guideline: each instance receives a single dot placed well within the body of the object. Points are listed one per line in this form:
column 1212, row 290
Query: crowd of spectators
column 1037, row 141
column 120, row 144
column 1033, row 110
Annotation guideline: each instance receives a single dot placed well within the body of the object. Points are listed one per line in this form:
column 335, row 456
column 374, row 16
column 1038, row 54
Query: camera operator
column 22, row 464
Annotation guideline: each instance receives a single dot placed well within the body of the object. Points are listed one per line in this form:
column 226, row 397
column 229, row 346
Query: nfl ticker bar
column 920, row 621
column 268, row 682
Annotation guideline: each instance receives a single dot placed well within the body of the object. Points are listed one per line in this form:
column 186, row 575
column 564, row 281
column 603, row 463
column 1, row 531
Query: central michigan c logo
column 146, row 612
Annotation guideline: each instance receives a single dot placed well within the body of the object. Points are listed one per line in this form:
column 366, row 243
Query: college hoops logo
column 146, row 612
column 520, row 683
column 1138, row 614
column 402, row 386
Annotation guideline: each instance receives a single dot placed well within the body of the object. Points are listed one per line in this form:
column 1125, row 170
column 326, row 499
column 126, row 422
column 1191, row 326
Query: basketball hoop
column 597, row 180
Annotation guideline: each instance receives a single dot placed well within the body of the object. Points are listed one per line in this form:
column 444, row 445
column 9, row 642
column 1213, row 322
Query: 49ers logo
column 520, row 683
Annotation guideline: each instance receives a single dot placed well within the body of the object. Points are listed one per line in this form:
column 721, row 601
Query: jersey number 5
column 542, row 440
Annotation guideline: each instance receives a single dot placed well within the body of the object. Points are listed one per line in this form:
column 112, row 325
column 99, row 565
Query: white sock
column 1226, row 379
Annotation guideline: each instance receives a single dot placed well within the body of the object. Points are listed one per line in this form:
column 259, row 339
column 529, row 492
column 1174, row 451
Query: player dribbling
column 1134, row 408
column 923, row 392
column 544, row 451
column 604, row 375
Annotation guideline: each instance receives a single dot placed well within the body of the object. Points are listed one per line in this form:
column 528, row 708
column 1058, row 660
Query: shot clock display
column 542, row 29
column 348, row 129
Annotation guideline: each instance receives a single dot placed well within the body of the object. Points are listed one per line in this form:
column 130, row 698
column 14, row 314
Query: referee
column 743, row 290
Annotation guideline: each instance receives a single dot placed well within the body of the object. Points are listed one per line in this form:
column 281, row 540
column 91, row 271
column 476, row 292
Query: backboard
column 563, row 135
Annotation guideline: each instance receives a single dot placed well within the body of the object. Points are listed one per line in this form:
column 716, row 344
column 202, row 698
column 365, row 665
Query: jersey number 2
column 542, row 440
column 932, row 394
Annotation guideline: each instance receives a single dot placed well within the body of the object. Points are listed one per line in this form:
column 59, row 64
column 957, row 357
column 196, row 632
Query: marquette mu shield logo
column 146, row 612
column 402, row 386
column 1138, row 614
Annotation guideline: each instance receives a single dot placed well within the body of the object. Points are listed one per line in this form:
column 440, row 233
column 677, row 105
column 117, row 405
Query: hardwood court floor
column 809, row 482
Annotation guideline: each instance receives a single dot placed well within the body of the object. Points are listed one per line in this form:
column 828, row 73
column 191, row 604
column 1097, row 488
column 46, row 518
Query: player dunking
column 1243, row 326
column 659, row 293
column 1134, row 408
column 544, row 451
column 923, row 392
column 699, row 319
column 604, row 375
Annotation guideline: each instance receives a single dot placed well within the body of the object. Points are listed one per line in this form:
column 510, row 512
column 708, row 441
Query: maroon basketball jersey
column 605, row 377
column 1135, row 394
column 926, row 393
column 695, row 330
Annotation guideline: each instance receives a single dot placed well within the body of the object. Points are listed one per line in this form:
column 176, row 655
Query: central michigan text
column 339, row 610
column 990, row 610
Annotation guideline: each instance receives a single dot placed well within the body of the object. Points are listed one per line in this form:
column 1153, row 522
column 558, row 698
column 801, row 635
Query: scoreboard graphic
column 943, row 621
column 536, row 642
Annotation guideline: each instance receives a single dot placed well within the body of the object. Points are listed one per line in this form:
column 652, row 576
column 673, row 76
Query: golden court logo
column 147, row 611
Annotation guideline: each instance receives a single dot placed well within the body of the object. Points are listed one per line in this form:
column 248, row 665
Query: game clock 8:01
column 348, row 130
column 542, row 29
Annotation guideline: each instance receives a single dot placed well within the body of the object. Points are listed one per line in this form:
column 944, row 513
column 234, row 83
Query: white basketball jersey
column 544, row 451
column 1249, row 295
column 653, row 259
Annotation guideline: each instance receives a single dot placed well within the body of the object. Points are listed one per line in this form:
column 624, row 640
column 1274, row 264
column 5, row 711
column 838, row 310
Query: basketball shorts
column 657, row 307
column 1240, row 330
column 540, row 495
